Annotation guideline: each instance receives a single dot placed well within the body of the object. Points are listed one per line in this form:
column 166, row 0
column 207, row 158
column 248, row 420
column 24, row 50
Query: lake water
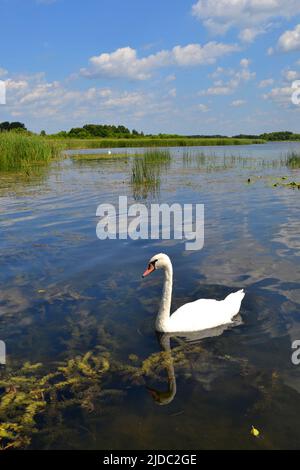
column 65, row 293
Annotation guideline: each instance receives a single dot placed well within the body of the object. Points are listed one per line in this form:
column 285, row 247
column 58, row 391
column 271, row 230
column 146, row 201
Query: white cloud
column 171, row 78
column 3, row 72
column 250, row 34
column 245, row 63
column 124, row 100
column 18, row 84
column 236, row 78
column 291, row 75
column 172, row 92
column 195, row 54
column 290, row 40
column 217, row 90
column 280, row 95
column 125, row 63
column 252, row 17
column 34, row 99
column 238, row 103
column 265, row 83
column 41, row 91
column 217, row 72
column 245, row 75
column 203, row 108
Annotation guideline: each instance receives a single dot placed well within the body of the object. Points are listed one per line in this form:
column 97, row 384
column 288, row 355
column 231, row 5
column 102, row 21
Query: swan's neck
column 166, row 346
column 165, row 304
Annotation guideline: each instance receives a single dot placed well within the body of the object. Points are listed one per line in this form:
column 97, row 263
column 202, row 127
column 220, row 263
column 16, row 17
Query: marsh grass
column 146, row 171
column 293, row 160
column 98, row 156
column 153, row 142
column 212, row 162
column 24, row 153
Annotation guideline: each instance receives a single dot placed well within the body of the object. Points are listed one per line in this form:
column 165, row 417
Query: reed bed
column 152, row 142
column 293, row 160
column 23, row 153
column 146, row 171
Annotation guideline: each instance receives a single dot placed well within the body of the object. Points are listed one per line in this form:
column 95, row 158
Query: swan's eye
column 152, row 264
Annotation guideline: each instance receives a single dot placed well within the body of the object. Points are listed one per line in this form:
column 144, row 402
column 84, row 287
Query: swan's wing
column 200, row 306
column 198, row 315
column 206, row 313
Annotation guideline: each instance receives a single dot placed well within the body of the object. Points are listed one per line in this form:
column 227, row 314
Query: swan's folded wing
column 200, row 314
column 206, row 313
column 200, row 305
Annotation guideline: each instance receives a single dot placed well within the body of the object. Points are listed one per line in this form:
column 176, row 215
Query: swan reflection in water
column 167, row 361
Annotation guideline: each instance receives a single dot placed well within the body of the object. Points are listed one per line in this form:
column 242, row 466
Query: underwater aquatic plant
column 22, row 399
column 27, row 393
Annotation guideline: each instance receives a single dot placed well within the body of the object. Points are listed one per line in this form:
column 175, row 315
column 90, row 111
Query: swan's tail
column 235, row 300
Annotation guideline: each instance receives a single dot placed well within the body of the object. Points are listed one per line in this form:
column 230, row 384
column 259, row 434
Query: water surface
column 65, row 293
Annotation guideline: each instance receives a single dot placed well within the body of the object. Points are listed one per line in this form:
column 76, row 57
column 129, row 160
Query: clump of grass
column 146, row 170
column 293, row 160
column 98, row 156
column 23, row 153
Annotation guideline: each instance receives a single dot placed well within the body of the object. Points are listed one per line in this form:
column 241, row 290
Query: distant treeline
column 272, row 136
column 122, row 132
column 12, row 126
column 94, row 131
column 100, row 130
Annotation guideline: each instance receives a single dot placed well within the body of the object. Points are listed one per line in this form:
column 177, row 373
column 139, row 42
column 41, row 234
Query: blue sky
column 189, row 67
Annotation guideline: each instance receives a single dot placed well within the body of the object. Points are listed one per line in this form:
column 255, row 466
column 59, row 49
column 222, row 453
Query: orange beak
column 149, row 270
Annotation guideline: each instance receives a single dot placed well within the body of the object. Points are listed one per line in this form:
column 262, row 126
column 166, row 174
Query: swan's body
column 199, row 315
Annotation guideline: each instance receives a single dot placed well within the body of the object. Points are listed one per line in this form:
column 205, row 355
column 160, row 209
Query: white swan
column 199, row 315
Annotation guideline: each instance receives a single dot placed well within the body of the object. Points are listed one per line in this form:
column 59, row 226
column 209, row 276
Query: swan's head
column 160, row 261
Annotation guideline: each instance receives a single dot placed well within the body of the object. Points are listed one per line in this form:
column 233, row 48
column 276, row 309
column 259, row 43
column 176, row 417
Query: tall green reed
column 23, row 153
column 293, row 160
column 146, row 171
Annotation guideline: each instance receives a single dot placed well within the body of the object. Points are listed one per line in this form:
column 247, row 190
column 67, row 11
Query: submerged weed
column 27, row 394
